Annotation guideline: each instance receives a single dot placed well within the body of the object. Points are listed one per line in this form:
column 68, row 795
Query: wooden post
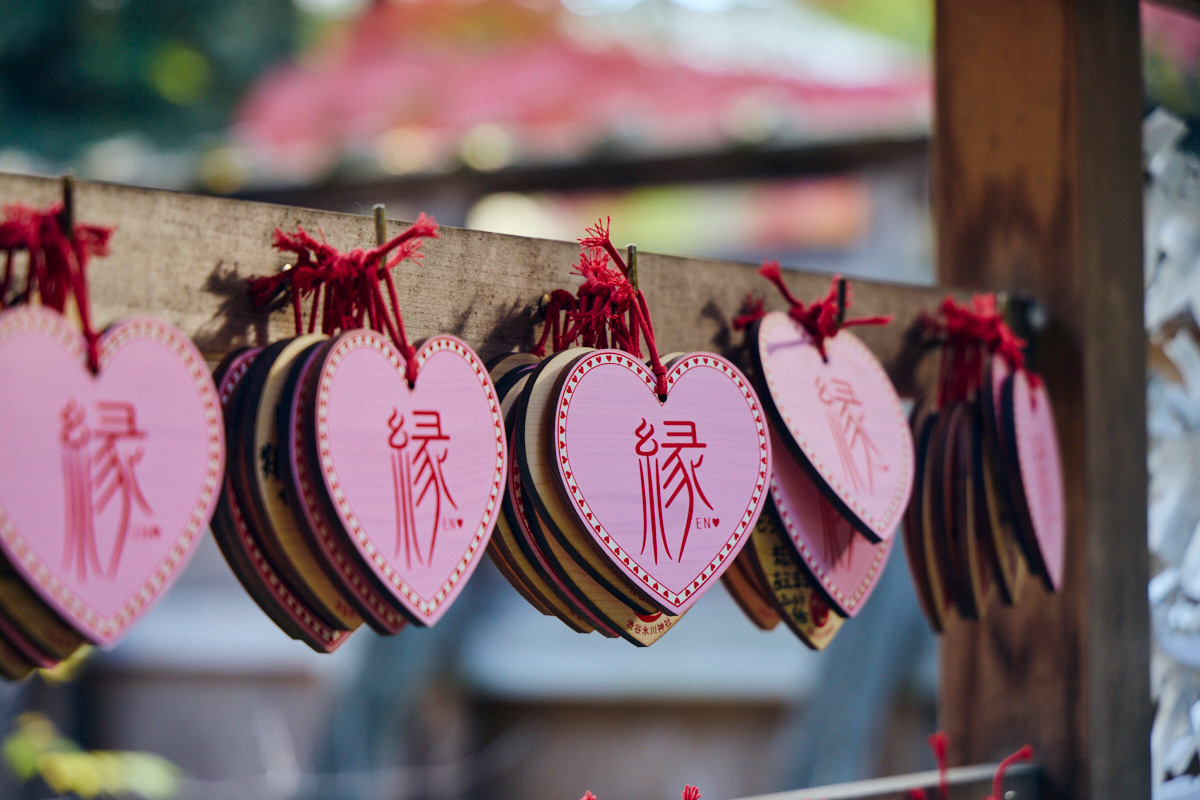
column 1038, row 187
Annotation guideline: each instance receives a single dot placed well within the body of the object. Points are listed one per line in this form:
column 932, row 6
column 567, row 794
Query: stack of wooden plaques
column 988, row 508
column 841, row 477
column 365, row 474
column 623, row 507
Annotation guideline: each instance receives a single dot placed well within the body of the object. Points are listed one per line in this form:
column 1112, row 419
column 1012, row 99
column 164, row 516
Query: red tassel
column 1024, row 754
column 752, row 310
column 352, row 295
column 691, row 793
column 939, row 743
column 821, row 319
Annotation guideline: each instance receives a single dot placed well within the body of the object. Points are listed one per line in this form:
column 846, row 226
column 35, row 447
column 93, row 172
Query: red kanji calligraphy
column 681, row 481
column 844, row 413
column 425, row 448
column 99, row 469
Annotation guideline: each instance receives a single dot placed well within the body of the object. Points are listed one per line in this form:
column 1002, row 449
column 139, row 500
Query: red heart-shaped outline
column 649, row 578
column 55, row 583
column 793, row 389
column 425, row 609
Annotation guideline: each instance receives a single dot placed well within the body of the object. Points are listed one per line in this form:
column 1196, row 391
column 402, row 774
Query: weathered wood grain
column 186, row 258
column 1038, row 188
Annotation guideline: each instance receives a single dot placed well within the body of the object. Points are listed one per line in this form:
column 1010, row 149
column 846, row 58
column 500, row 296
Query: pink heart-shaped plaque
column 842, row 417
column 669, row 490
column 845, row 563
column 107, row 481
column 414, row 474
column 1036, row 442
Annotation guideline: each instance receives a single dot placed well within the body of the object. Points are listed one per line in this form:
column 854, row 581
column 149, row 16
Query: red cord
column 605, row 311
column 968, row 332
column 939, row 743
column 58, row 262
column 819, row 319
column 1024, row 754
column 345, row 287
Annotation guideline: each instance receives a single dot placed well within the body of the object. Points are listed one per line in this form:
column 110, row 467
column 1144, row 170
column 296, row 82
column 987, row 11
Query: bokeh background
column 736, row 129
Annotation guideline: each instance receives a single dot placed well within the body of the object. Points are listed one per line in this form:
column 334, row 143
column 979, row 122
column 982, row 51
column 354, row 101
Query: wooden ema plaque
column 509, row 377
column 110, row 479
column 797, row 599
column 318, row 521
column 543, row 486
column 926, row 577
column 667, row 488
column 745, row 589
column 841, row 417
column 260, row 483
column 1033, row 438
column 243, row 553
column 613, row 609
column 414, row 471
column 507, row 547
column 844, row 563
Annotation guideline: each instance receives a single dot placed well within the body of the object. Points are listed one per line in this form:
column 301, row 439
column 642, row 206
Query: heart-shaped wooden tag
column 927, row 578
column 1033, row 437
column 510, row 545
column 33, row 619
column 321, row 527
column 845, row 564
column 109, row 480
column 564, row 577
column 260, row 477
column 414, row 474
column 797, row 598
column 743, row 587
column 995, row 531
column 549, row 503
column 667, row 488
column 973, row 570
column 842, row 417
column 13, row 666
column 246, row 558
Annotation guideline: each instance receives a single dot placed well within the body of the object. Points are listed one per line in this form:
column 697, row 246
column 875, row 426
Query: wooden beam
column 726, row 164
column 1037, row 180
column 186, row 258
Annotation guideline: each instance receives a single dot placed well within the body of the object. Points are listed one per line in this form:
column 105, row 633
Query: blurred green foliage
column 909, row 21
column 77, row 71
column 36, row 750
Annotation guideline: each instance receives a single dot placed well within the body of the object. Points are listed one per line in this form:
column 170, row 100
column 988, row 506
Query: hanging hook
column 631, row 263
column 380, row 212
column 66, row 217
column 841, row 300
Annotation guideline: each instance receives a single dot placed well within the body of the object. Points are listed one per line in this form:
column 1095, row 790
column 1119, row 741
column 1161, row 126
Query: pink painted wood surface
column 239, row 546
column 107, row 481
column 414, row 474
column 323, row 529
column 844, row 417
column 1041, row 472
column 843, row 561
column 669, row 490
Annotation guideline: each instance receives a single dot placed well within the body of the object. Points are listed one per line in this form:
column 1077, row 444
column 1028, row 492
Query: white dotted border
column 436, row 344
column 684, row 364
column 107, row 629
column 315, row 516
column 882, row 549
